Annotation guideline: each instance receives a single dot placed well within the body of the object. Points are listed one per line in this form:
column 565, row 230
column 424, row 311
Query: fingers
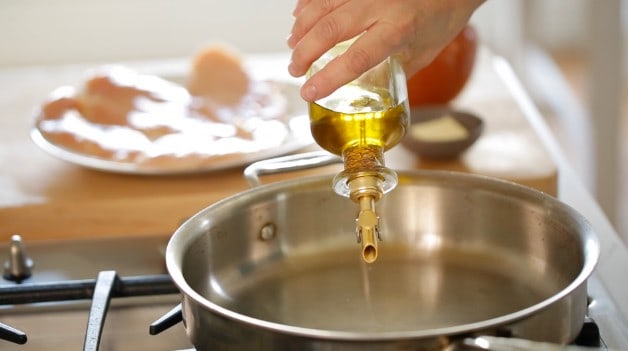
column 321, row 24
column 308, row 13
column 415, row 29
column 318, row 28
column 363, row 54
column 299, row 6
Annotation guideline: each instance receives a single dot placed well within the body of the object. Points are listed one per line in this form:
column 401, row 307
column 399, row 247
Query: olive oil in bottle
column 360, row 121
column 371, row 119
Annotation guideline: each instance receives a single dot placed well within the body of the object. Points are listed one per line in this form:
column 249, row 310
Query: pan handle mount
column 288, row 163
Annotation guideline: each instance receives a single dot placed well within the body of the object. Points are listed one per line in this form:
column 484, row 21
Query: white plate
column 298, row 137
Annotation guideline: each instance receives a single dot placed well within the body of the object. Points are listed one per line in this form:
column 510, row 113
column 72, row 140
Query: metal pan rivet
column 268, row 232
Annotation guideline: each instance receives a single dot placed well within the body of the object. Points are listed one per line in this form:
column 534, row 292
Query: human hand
column 416, row 30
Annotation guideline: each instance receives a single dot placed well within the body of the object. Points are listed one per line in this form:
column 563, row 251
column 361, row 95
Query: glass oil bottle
column 359, row 122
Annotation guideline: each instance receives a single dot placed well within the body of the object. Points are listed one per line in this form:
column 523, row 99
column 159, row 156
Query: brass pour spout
column 365, row 191
column 367, row 228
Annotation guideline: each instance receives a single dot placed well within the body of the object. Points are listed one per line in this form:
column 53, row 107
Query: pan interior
column 406, row 289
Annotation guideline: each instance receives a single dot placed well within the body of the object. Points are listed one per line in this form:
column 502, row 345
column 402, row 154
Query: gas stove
column 115, row 294
column 89, row 293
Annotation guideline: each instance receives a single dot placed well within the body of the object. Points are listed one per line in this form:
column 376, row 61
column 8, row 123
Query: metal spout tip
column 369, row 246
column 368, row 232
column 369, row 253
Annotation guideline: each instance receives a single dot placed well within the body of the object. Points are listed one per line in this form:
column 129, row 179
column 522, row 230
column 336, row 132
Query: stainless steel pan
column 277, row 267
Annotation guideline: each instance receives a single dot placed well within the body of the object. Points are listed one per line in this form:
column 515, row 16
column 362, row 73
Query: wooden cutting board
column 42, row 198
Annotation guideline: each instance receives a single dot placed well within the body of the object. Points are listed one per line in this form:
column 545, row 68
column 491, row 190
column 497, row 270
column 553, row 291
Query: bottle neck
column 363, row 158
column 364, row 173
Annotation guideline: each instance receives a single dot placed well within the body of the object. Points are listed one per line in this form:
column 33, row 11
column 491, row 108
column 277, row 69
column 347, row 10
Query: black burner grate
column 100, row 291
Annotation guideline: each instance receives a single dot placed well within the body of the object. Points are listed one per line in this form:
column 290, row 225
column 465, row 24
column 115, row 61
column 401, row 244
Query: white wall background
column 62, row 31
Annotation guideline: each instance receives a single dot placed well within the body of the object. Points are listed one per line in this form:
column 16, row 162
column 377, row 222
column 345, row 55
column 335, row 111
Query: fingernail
column 289, row 41
column 292, row 70
column 308, row 92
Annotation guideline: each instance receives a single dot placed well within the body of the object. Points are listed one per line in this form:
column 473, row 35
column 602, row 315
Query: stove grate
column 100, row 290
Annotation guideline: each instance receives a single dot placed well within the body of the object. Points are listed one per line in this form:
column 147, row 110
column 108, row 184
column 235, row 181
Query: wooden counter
column 45, row 198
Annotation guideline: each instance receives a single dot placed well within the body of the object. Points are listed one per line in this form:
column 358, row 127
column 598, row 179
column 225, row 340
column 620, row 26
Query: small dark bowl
column 442, row 150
